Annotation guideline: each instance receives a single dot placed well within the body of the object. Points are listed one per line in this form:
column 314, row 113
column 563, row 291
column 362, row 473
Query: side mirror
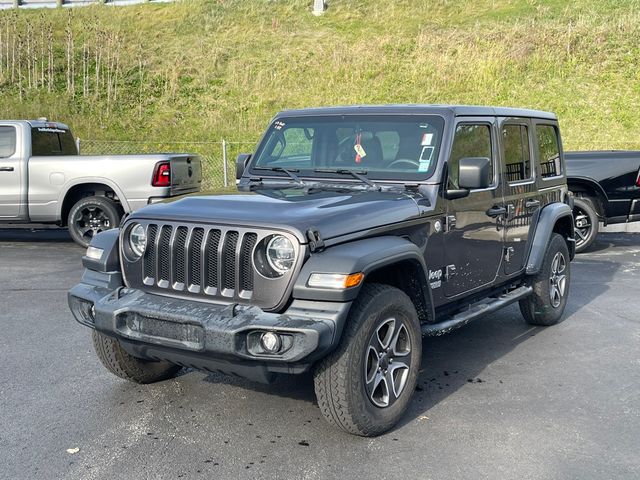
column 474, row 172
column 241, row 164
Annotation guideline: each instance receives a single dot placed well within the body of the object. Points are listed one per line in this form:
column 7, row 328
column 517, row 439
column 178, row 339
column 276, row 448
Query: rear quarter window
column 548, row 151
column 49, row 141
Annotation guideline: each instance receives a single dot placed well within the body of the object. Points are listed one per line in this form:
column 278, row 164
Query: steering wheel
column 405, row 161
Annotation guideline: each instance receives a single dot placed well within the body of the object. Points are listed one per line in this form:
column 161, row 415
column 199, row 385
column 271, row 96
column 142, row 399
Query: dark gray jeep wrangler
column 359, row 230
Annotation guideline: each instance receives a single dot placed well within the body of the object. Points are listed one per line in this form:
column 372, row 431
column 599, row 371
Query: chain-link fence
column 213, row 155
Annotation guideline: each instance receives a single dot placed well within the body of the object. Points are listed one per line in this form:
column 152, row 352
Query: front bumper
column 213, row 337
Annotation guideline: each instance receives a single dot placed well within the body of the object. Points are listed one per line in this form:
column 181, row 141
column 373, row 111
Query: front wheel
column 546, row 304
column 90, row 216
column 365, row 386
column 122, row 364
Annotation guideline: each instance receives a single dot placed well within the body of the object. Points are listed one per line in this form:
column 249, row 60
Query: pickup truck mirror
column 241, row 164
column 474, row 172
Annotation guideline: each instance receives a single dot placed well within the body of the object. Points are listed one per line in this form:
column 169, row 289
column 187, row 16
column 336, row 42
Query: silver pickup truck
column 43, row 179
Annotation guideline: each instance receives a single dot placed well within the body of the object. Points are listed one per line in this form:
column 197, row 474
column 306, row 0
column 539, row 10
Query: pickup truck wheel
column 546, row 304
column 120, row 363
column 586, row 223
column 90, row 216
column 365, row 386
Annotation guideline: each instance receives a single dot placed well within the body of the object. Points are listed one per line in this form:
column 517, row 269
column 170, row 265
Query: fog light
column 270, row 342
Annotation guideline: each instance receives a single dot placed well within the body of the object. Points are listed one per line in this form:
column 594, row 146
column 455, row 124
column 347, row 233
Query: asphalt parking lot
column 496, row 399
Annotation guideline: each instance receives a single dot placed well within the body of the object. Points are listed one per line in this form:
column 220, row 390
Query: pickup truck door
column 473, row 240
column 521, row 197
column 10, row 173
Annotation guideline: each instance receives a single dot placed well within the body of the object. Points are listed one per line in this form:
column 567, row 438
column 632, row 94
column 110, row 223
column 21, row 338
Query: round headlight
column 280, row 253
column 137, row 240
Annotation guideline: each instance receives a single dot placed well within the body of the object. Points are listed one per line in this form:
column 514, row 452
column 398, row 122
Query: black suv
column 360, row 229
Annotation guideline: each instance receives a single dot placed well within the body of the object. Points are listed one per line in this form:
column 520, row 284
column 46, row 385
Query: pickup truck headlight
column 137, row 240
column 281, row 254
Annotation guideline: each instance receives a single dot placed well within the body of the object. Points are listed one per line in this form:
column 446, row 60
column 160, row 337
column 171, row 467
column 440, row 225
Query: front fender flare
column 364, row 256
column 547, row 221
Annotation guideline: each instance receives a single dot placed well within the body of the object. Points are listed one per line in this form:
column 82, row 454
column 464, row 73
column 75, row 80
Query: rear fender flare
column 88, row 181
column 549, row 217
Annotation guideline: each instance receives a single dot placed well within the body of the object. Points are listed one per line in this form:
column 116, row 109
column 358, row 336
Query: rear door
column 473, row 241
column 10, row 173
column 521, row 196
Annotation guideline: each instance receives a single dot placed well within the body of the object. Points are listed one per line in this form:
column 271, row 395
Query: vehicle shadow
column 33, row 234
column 458, row 359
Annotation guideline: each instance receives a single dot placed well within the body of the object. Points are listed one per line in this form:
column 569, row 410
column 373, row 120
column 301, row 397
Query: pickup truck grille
column 204, row 263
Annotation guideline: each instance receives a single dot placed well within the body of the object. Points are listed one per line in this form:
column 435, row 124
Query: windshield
column 384, row 147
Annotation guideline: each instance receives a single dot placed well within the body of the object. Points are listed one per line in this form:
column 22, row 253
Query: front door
column 520, row 193
column 10, row 181
column 473, row 242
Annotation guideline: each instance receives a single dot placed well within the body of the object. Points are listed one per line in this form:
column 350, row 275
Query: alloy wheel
column 583, row 226
column 91, row 220
column 558, row 279
column 387, row 362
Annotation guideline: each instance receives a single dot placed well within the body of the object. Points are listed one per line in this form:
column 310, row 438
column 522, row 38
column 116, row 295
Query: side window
column 290, row 147
column 548, row 151
column 298, row 143
column 517, row 159
column 7, row 141
column 470, row 141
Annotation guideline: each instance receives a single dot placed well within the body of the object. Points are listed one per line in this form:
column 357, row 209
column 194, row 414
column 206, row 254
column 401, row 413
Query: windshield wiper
column 345, row 171
column 283, row 170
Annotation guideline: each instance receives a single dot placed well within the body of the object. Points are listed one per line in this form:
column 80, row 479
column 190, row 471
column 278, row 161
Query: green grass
column 206, row 70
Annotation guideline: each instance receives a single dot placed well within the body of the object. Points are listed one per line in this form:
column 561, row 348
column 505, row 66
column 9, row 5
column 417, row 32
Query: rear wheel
column 90, row 216
column 120, row 363
column 546, row 304
column 365, row 386
column 586, row 223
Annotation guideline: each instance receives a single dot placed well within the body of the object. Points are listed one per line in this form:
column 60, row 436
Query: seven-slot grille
column 196, row 260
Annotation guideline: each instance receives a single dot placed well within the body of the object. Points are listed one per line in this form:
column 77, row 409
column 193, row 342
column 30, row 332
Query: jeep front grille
column 204, row 262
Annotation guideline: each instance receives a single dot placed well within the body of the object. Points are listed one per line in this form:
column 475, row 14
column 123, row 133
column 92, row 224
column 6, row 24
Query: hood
column 332, row 213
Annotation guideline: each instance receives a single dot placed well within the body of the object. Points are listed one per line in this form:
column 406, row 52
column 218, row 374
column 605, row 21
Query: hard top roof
column 416, row 109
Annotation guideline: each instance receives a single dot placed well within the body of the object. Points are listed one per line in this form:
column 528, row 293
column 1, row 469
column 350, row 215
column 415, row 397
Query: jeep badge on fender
column 357, row 230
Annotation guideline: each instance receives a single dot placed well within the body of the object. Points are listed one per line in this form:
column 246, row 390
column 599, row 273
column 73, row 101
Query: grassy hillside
column 205, row 69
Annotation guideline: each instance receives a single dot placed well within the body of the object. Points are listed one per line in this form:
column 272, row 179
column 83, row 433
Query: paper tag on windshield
column 359, row 150
column 427, row 138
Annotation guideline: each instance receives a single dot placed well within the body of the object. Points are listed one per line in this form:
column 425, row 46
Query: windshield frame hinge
column 316, row 243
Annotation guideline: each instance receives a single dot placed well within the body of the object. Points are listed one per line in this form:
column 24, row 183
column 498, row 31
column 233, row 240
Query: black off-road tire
column 584, row 210
column 120, row 363
column 540, row 308
column 340, row 383
column 106, row 212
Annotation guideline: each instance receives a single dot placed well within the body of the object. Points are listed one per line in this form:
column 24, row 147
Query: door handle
column 6, row 169
column 496, row 211
column 532, row 203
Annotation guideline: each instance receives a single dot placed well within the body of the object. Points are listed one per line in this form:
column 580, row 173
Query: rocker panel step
column 476, row 310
